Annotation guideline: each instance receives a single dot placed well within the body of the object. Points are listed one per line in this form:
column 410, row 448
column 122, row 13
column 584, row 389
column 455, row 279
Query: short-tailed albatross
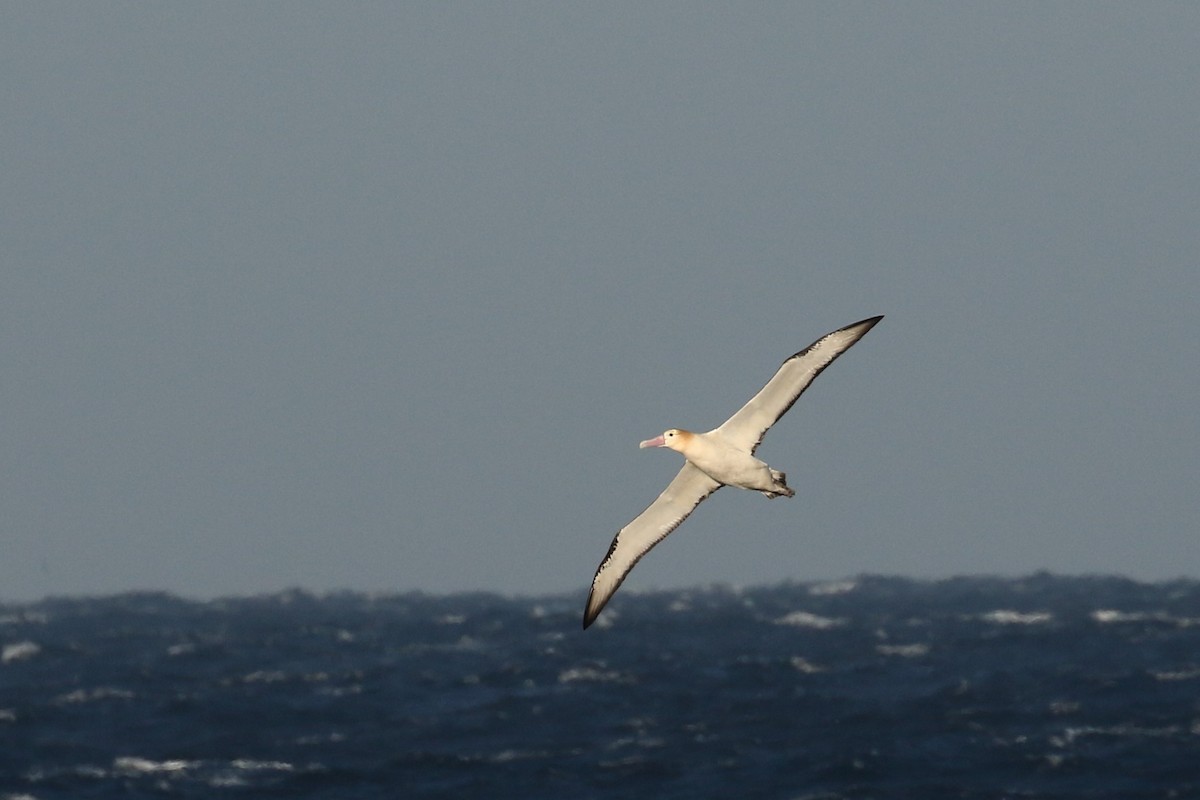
column 722, row 457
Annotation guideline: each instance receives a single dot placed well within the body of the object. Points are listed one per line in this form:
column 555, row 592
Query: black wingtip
column 590, row 613
column 862, row 327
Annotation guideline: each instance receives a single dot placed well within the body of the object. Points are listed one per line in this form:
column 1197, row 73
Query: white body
column 723, row 456
column 723, row 461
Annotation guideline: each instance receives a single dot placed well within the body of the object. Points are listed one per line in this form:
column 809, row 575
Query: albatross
column 723, row 456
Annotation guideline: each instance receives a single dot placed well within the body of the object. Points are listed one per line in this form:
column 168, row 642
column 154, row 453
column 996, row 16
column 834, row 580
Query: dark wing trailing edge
column 747, row 427
column 649, row 528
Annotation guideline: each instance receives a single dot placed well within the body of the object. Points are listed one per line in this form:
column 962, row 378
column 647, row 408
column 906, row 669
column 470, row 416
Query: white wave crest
column 833, row 587
column 1112, row 615
column 89, row 695
column 591, row 674
column 1004, row 616
column 803, row 619
column 903, row 650
column 1177, row 675
column 133, row 765
column 801, row 664
column 19, row 651
column 251, row 765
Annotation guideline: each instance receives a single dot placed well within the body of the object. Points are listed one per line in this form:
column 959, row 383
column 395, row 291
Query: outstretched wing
column 650, row 527
column 746, row 427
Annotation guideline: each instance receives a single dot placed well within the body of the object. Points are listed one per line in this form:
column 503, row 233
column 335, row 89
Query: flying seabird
column 722, row 457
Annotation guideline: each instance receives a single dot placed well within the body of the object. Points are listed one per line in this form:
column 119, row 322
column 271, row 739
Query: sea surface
column 874, row 687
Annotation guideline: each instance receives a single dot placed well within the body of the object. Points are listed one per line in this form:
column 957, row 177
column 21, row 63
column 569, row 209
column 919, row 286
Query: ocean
column 873, row 687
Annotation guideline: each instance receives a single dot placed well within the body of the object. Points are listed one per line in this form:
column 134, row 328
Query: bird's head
column 675, row 438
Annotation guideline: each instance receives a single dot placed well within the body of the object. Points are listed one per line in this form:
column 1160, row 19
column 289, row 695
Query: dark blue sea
column 1040, row 687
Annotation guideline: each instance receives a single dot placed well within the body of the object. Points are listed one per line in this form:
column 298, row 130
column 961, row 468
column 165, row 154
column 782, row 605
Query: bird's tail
column 781, row 488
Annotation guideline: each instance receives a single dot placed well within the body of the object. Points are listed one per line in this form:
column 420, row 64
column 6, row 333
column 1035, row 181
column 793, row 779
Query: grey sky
column 383, row 296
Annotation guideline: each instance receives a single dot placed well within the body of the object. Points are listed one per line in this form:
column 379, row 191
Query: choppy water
column 1044, row 687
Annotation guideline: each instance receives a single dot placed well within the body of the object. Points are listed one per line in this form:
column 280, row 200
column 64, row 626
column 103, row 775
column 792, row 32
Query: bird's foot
column 781, row 487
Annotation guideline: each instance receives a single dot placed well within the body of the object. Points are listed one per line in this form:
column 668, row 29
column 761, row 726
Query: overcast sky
column 383, row 296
